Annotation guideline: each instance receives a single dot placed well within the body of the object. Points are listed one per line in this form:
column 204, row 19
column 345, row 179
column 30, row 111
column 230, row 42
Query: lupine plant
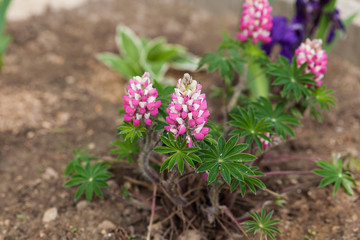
column 201, row 160
column 4, row 38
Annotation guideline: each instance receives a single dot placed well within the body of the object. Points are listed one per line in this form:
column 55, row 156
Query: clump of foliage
column 139, row 55
column 198, row 165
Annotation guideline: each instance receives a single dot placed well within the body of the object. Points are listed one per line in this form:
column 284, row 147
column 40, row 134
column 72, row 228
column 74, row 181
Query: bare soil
column 55, row 96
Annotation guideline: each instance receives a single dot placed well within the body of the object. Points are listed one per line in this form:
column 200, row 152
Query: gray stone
column 50, row 215
column 82, row 205
column 107, row 225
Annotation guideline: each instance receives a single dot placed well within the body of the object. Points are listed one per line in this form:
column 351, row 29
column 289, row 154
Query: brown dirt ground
column 55, row 96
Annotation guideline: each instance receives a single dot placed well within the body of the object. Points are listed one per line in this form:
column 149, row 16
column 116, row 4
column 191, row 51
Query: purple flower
column 288, row 36
column 302, row 26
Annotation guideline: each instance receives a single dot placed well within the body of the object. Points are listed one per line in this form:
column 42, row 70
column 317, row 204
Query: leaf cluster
column 125, row 149
column 293, row 79
column 262, row 224
column 280, row 121
column 227, row 159
column 227, row 59
column 80, row 156
column 139, row 55
column 250, row 125
column 91, row 179
column 178, row 151
column 333, row 173
column 130, row 132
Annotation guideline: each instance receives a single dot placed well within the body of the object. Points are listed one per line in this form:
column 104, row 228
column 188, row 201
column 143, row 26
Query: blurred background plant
column 4, row 38
column 139, row 55
column 318, row 19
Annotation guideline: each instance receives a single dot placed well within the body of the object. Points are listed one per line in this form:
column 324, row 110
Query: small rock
column 107, row 225
column 30, row 134
column 62, row 118
column 55, row 59
column 50, row 173
column 70, row 80
column 50, row 215
column 335, row 229
column 191, row 234
column 91, row 146
column 7, row 222
column 82, row 205
column 127, row 212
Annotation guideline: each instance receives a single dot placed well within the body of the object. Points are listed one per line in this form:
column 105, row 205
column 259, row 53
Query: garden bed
column 55, row 96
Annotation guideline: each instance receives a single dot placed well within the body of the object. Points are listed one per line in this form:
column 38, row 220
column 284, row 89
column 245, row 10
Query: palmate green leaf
column 280, row 121
column 262, row 224
column 225, row 157
column 180, row 153
column 131, row 132
column 227, row 59
column 323, row 98
column 334, row 173
column 295, row 82
column 249, row 126
column 91, row 179
column 125, row 149
column 79, row 157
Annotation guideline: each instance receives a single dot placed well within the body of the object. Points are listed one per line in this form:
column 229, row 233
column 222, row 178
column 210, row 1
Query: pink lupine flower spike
column 187, row 112
column 256, row 21
column 140, row 101
column 311, row 52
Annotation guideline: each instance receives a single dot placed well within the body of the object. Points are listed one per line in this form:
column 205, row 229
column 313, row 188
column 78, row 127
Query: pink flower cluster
column 140, row 101
column 256, row 21
column 187, row 112
column 316, row 58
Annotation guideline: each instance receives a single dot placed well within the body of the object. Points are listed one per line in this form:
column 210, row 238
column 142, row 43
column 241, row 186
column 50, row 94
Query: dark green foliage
column 125, row 149
column 91, row 179
column 179, row 152
column 279, row 120
column 323, row 98
column 79, row 157
column 131, row 132
column 262, row 224
column 334, row 173
column 293, row 79
column 227, row 159
column 249, row 126
column 227, row 59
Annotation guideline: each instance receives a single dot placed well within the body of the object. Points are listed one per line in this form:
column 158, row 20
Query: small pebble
column 50, row 215
column 50, row 173
column 106, row 225
column 82, row 205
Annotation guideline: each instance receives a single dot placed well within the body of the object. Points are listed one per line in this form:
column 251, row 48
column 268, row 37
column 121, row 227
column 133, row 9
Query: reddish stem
column 288, row 173
column 291, row 157
column 152, row 212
